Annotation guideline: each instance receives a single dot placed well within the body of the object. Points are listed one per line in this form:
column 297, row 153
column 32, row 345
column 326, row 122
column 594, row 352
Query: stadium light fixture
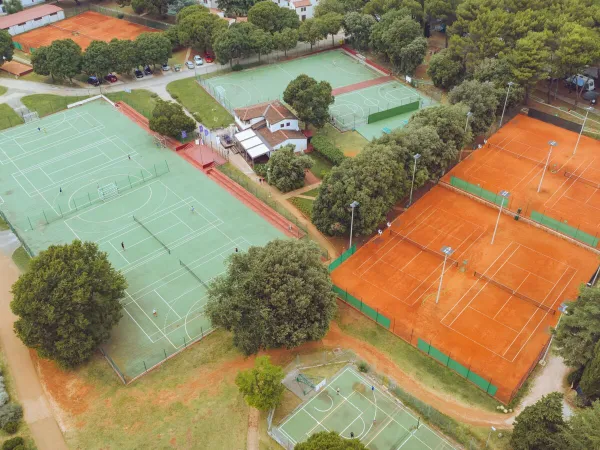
column 510, row 84
column 416, row 157
column 504, row 195
column 447, row 251
column 469, row 114
column 587, row 111
column 353, row 205
column 551, row 144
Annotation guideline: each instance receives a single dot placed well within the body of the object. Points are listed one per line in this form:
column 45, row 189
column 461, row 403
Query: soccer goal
column 160, row 141
column 31, row 117
column 107, row 192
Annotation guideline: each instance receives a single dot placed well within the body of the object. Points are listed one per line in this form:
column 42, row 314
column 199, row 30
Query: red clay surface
column 16, row 68
column 496, row 335
column 519, row 169
column 362, row 85
column 83, row 29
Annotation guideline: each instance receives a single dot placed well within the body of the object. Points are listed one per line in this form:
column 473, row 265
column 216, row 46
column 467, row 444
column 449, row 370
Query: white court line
column 153, row 322
column 72, row 231
column 119, row 253
column 168, row 304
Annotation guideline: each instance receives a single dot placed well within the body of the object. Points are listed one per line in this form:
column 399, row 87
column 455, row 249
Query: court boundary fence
column 413, row 105
column 343, row 257
column 16, row 233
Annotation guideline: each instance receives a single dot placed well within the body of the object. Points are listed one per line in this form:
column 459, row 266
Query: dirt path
column 38, row 415
column 252, row 441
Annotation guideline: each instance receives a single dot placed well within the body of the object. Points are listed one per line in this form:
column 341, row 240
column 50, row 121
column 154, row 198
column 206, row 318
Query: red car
column 111, row 78
column 209, row 57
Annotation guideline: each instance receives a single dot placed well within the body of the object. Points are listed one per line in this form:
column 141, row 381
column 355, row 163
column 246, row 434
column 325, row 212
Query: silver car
column 189, row 64
column 198, row 60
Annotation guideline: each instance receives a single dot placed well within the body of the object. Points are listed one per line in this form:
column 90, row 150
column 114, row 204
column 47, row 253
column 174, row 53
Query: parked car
column 580, row 80
column 177, row 67
column 209, row 56
column 111, row 78
column 147, row 70
column 93, row 81
column 198, row 60
column 189, row 64
column 166, row 67
column 138, row 73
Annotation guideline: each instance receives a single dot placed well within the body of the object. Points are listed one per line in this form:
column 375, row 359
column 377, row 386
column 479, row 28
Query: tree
column 175, row 6
column 444, row 10
column 401, row 40
column 331, row 24
column 590, row 381
column 583, row 429
column 97, row 59
column 330, row 6
column 411, row 56
column 6, row 47
column 13, row 6
column 286, row 170
column 191, row 10
column 67, row 302
column 234, row 42
column 152, row 48
column 123, row 56
column 358, row 29
column 579, row 330
column 387, row 24
column 61, row 59
column 498, row 71
column 234, row 8
column 538, row 425
column 199, row 29
column 528, row 60
column 286, row 39
column 39, row 61
column 311, row 31
column 169, row 119
column 270, row 17
column 444, row 71
column 262, row 42
column 274, row 296
column 309, row 99
column 329, row 440
column 481, row 100
column 262, row 386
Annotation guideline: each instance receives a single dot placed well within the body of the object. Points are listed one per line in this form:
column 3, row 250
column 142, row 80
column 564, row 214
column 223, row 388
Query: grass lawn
column 141, row 100
column 21, row 258
column 46, row 104
column 415, row 363
column 197, row 101
column 3, row 90
column 349, row 142
column 178, row 57
column 312, row 193
column 321, row 166
column 303, row 204
column 8, row 117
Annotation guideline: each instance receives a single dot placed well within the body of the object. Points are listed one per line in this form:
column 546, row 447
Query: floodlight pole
column 353, row 205
column 446, row 251
column 416, row 158
column 552, row 144
column 504, row 195
column 469, row 114
column 510, row 83
column 587, row 111
column 489, row 435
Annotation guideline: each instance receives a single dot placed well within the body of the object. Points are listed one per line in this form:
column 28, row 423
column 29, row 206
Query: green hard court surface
column 94, row 145
column 252, row 86
column 378, row 420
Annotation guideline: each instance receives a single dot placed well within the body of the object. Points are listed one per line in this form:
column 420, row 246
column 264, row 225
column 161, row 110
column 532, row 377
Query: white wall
column 209, row 3
column 293, row 125
column 309, row 13
column 245, row 125
column 300, row 144
column 32, row 24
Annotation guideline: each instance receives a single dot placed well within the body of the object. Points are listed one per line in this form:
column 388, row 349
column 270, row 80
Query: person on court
column 192, row 209
column 154, row 313
column 352, row 435
column 60, row 190
column 123, row 246
column 337, row 390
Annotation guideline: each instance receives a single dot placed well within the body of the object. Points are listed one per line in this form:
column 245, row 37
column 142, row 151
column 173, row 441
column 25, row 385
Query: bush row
column 326, row 148
column 10, row 413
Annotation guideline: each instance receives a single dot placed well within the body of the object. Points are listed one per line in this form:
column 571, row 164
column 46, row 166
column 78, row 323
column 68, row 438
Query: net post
column 59, row 208
column 165, row 352
column 142, row 172
column 184, row 342
column 201, row 333
column 29, row 220
column 145, row 368
column 46, row 218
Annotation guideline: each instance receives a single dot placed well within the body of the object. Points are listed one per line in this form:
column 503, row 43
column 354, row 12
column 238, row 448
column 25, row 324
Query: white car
column 198, row 60
column 189, row 64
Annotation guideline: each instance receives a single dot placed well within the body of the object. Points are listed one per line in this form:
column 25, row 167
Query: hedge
column 326, row 148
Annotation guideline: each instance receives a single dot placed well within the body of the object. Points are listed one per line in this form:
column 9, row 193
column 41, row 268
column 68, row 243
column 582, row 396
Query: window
column 288, row 124
column 303, row 9
column 281, row 126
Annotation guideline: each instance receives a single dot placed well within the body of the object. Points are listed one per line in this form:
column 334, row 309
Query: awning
column 252, row 142
column 246, row 134
column 257, row 151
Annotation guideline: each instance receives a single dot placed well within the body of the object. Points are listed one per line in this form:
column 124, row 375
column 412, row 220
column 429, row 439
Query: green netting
column 396, row 111
column 479, row 191
column 423, row 346
column 441, row 357
column 354, row 301
column 362, row 307
column 343, row 257
column 564, row 228
column 384, row 321
column 17, row 45
column 458, row 368
column 482, row 383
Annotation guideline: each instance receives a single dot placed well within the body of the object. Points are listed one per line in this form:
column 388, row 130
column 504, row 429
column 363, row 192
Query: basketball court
column 89, row 173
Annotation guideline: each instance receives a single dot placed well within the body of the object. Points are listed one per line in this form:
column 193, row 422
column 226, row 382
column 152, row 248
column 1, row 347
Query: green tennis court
column 252, row 86
column 90, row 173
column 369, row 414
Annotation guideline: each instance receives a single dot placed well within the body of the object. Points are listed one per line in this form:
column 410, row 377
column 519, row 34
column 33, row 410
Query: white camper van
column 581, row 80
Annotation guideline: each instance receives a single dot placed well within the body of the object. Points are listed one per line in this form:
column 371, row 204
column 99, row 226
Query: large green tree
column 6, row 47
column 444, row 70
column 274, row 296
column 122, row 53
column 358, row 29
column 233, row 43
column 582, row 432
column 236, row 7
column 311, row 31
column 331, row 24
column 61, row 59
column 97, row 59
column 169, row 119
column 579, row 329
column 482, row 101
column 285, row 40
column 309, row 99
column 262, row 385
column 191, row 10
column 330, row 6
column 199, row 29
column 271, row 18
column 286, row 170
column 152, row 48
column 538, row 426
column 498, row 71
column 262, row 42
column 590, row 380
column 67, row 302
column 329, row 440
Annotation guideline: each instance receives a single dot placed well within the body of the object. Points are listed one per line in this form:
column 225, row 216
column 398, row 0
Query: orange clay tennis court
column 514, row 160
column 496, row 335
column 83, row 29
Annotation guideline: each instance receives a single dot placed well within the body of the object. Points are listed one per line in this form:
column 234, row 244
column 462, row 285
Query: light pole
column 469, row 114
column 504, row 195
column 587, row 111
column 489, row 435
column 447, row 251
column 551, row 144
column 510, row 83
column 353, row 205
column 416, row 157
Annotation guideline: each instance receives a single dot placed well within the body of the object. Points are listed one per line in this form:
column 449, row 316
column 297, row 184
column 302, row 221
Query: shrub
column 175, row 96
column 363, row 367
column 19, row 447
column 326, row 148
column 120, row 15
column 13, row 443
column 237, row 67
column 260, row 170
column 154, row 95
column 10, row 413
column 11, row 427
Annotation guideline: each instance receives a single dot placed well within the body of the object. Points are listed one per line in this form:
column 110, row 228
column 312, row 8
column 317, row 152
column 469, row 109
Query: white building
column 267, row 127
column 304, row 8
column 31, row 18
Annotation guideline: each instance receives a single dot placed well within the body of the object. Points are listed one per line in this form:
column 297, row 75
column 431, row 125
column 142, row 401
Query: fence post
column 201, row 333
column 29, row 220
column 44, row 213
column 184, row 342
column 165, row 353
column 61, row 213
column 145, row 368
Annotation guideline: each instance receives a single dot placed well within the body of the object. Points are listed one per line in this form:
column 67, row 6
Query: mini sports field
column 360, row 410
column 358, row 88
column 90, row 173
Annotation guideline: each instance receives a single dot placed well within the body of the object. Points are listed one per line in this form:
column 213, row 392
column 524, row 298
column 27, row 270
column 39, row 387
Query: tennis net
column 515, row 293
column 193, row 273
column 582, row 180
column 153, row 235
column 422, row 247
column 517, row 155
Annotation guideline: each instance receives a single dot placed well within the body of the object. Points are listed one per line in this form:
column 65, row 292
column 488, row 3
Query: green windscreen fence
column 395, row 111
column 343, row 257
column 479, row 191
column 362, row 307
column 563, row 228
column 479, row 381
